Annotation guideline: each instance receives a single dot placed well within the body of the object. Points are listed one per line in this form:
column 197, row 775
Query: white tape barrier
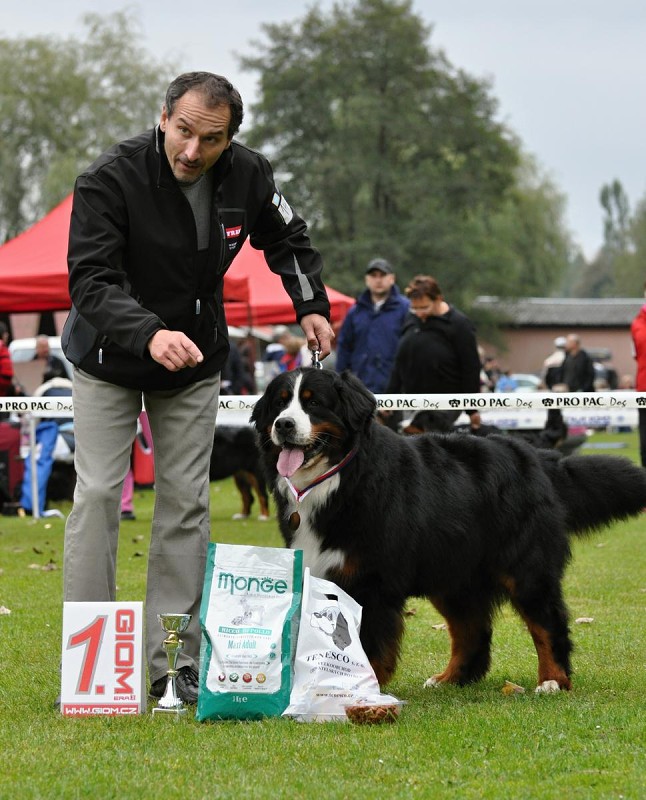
column 593, row 407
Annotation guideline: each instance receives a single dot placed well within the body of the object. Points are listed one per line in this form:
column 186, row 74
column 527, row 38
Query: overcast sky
column 568, row 73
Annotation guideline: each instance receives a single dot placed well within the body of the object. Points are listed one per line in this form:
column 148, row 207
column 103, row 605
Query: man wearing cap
column 370, row 333
column 552, row 372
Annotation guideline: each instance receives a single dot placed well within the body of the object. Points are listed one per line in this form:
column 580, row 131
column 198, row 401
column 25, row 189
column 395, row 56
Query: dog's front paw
column 433, row 682
column 263, row 517
column 240, row 516
column 547, row 687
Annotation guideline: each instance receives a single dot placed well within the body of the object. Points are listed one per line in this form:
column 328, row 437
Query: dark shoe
column 186, row 683
column 128, row 515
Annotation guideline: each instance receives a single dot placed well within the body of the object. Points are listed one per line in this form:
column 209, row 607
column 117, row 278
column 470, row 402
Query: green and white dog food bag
column 249, row 616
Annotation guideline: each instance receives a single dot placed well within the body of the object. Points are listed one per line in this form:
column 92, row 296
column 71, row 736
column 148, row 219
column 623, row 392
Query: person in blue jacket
column 370, row 333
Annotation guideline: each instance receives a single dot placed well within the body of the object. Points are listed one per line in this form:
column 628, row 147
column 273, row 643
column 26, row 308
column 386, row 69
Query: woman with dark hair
column 438, row 354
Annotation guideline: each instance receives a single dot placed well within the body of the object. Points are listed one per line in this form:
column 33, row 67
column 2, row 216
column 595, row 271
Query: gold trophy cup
column 173, row 625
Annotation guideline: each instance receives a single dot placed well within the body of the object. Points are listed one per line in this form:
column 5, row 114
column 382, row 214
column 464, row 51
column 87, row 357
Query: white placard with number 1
column 102, row 669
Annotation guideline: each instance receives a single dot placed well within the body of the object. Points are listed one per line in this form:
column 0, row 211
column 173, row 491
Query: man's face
column 571, row 345
column 195, row 136
column 379, row 283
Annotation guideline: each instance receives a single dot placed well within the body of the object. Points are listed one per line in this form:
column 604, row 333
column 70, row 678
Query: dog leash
column 316, row 364
column 299, row 494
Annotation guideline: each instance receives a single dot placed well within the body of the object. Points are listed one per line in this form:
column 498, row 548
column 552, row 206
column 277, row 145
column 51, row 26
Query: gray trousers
column 182, row 422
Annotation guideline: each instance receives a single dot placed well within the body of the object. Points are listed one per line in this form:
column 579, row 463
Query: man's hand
column 318, row 332
column 174, row 350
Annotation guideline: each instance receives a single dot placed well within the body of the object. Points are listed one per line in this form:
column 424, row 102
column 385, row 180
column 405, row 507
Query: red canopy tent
column 33, row 266
column 33, row 277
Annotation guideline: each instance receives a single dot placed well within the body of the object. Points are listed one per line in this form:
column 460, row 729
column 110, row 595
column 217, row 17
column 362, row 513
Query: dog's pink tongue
column 289, row 461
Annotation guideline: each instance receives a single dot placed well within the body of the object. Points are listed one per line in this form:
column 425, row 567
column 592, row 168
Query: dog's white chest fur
column 306, row 537
column 319, row 561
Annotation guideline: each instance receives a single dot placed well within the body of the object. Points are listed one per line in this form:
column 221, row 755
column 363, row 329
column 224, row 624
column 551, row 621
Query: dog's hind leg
column 545, row 614
column 260, row 488
column 470, row 630
column 242, row 483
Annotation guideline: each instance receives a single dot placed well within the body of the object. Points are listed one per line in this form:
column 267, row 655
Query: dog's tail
column 598, row 490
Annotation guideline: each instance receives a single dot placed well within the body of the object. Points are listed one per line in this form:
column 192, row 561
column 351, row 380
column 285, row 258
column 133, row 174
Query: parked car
column 605, row 375
column 526, row 382
column 27, row 372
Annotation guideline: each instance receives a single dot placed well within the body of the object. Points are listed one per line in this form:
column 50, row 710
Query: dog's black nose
column 285, row 425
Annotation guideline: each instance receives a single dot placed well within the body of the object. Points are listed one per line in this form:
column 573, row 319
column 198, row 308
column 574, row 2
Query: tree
column 62, row 101
column 630, row 268
column 612, row 268
column 524, row 247
column 387, row 149
column 614, row 202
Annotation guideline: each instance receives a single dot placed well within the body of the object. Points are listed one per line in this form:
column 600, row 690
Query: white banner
column 489, row 401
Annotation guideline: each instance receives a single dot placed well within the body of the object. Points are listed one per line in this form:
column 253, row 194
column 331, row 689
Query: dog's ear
column 258, row 412
column 358, row 402
column 261, row 413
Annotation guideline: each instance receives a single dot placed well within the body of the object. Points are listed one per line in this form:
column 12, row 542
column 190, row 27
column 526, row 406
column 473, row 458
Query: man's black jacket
column 134, row 265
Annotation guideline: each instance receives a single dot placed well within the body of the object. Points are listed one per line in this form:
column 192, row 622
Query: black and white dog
column 467, row 522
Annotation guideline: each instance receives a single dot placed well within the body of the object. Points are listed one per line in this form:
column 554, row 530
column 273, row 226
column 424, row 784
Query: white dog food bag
column 249, row 618
column 331, row 669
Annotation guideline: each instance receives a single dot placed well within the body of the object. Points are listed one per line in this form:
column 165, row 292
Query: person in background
column 6, row 364
column 275, row 350
column 552, row 371
column 235, row 378
column 638, row 336
column 491, row 372
column 506, row 383
column 53, row 367
column 370, row 333
column 556, row 429
column 156, row 222
column 439, row 355
column 128, row 491
column 578, row 369
column 295, row 355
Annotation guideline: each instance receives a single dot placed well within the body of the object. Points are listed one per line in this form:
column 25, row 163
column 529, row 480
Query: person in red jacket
column 638, row 333
column 6, row 364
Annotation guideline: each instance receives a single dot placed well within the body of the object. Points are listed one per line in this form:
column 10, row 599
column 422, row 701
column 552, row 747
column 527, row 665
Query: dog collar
column 299, row 494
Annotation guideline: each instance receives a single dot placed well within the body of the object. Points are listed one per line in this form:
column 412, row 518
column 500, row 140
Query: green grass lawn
column 474, row 742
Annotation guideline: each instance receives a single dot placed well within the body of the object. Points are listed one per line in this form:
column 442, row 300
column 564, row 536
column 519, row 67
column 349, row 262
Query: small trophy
column 173, row 625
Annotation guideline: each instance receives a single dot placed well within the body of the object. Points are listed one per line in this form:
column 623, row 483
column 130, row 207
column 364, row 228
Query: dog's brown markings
column 466, row 638
column 412, row 430
column 348, row 571
column 509, row 584
column 307, row 394
column 548, row 668
column 244, row 480
column 328, row 427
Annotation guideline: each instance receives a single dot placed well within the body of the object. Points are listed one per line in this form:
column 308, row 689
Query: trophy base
column 177, row 711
